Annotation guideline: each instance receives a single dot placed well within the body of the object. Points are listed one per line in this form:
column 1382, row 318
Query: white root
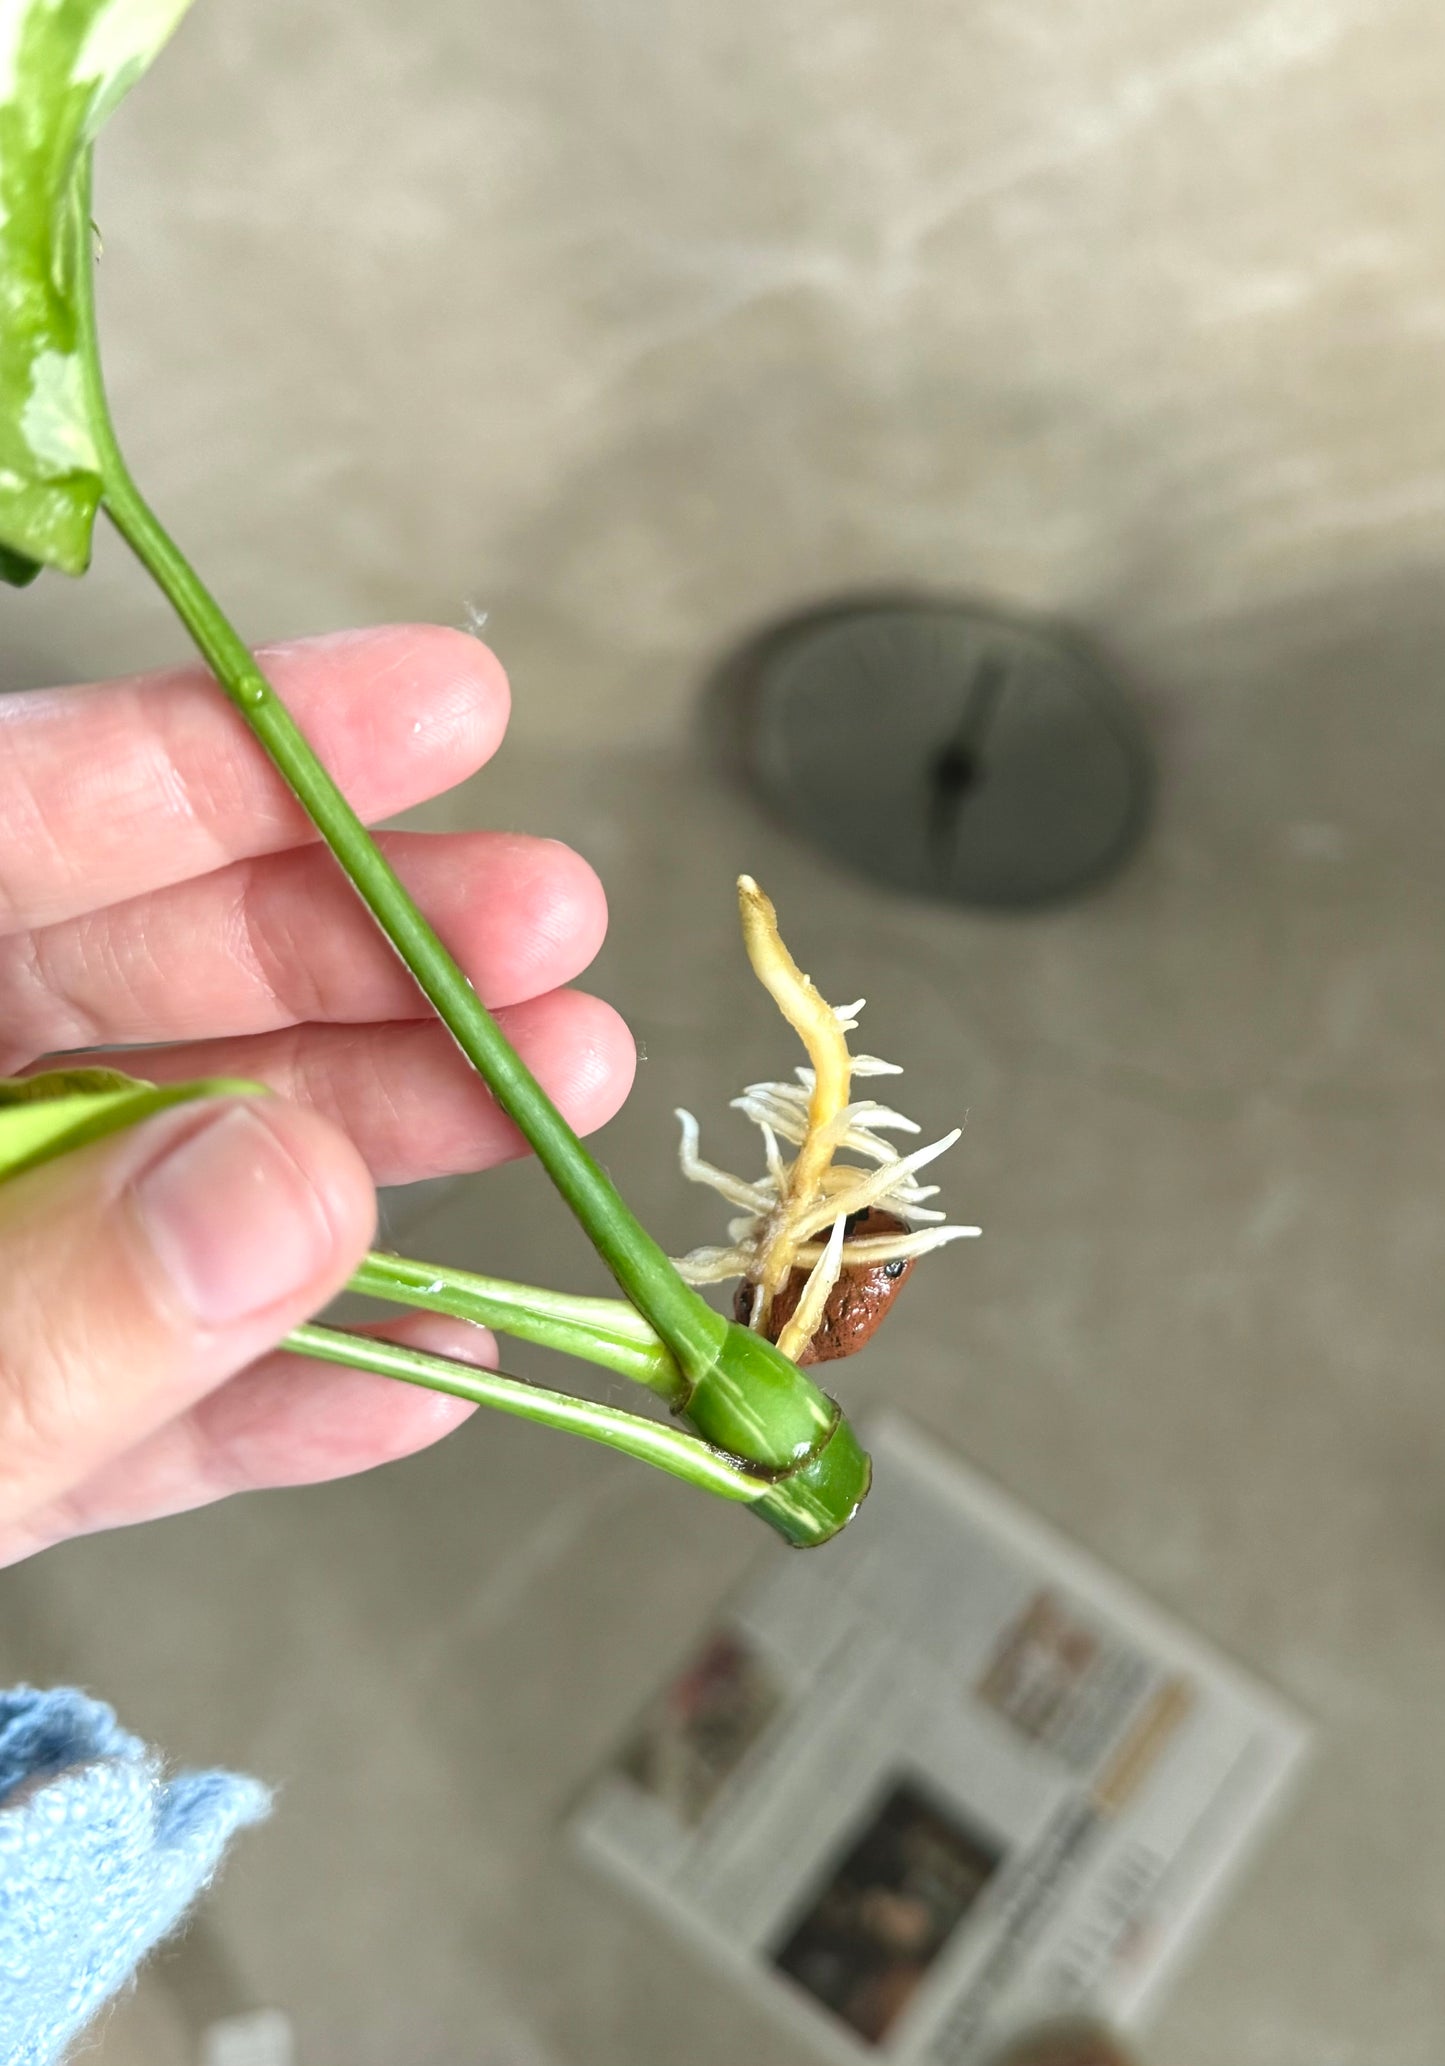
column 807, row 1315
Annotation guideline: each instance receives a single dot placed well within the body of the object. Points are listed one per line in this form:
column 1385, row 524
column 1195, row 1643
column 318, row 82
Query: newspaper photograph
column 943, row 1781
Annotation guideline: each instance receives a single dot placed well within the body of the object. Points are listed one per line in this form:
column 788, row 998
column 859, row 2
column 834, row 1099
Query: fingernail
column 233, row 1219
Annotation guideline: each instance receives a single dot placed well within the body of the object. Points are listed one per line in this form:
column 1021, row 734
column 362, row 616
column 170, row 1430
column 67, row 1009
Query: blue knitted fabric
column 100, row 1856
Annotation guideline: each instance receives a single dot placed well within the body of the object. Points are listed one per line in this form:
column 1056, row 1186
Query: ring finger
column 404, row 1093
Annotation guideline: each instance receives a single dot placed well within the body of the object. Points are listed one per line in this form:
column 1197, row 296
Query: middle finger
column 273, row 942
column 403, row 1092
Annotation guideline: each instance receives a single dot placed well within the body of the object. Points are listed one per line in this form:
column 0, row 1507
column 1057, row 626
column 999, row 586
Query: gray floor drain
column 946, row 751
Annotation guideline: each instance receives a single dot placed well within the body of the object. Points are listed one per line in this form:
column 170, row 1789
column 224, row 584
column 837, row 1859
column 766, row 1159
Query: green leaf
column 15, row 570
column 64, row 66
column 45, row 1116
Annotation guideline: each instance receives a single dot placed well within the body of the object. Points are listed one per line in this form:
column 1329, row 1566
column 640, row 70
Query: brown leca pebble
column 856, row 1304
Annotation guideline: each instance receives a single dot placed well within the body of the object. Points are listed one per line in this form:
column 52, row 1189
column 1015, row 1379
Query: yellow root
column 815, row 1022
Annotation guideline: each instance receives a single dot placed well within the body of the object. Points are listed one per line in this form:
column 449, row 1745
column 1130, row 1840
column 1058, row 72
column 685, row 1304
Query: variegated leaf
column 64, row 65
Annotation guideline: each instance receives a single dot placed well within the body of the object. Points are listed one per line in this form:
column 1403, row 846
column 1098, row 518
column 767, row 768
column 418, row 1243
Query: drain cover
column 947, row 752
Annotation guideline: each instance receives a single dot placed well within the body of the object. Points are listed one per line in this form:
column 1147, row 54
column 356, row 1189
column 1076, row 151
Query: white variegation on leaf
column 64, row 66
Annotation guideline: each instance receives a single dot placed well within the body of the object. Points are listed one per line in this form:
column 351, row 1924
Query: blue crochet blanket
column 100, row 1856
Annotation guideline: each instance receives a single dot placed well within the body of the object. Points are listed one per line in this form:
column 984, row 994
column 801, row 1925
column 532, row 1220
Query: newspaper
column 943, row 1779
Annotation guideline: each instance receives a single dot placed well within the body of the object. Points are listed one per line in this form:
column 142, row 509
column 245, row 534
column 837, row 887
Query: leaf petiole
column 606, row 1331
column 668, row 1448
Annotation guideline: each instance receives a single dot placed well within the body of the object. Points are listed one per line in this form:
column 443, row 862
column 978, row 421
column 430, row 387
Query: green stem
column 654, row 1442
column 599, row 1330
column 742, row 1395
column 634, row 1258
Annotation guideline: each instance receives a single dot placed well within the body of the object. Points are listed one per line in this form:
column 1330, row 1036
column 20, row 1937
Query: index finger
column 115, row 789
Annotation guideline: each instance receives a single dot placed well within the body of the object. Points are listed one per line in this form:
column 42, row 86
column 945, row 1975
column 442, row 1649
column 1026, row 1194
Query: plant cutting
column 825, row 1241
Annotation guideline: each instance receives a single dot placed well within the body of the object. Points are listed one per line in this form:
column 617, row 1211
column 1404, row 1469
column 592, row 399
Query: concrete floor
column 638, row 326
column 1202, row 1334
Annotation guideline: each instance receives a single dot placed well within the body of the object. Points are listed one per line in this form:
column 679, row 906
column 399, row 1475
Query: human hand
column 158, row 884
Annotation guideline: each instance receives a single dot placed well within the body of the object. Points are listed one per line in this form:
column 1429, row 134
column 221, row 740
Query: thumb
column 139, row 1273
